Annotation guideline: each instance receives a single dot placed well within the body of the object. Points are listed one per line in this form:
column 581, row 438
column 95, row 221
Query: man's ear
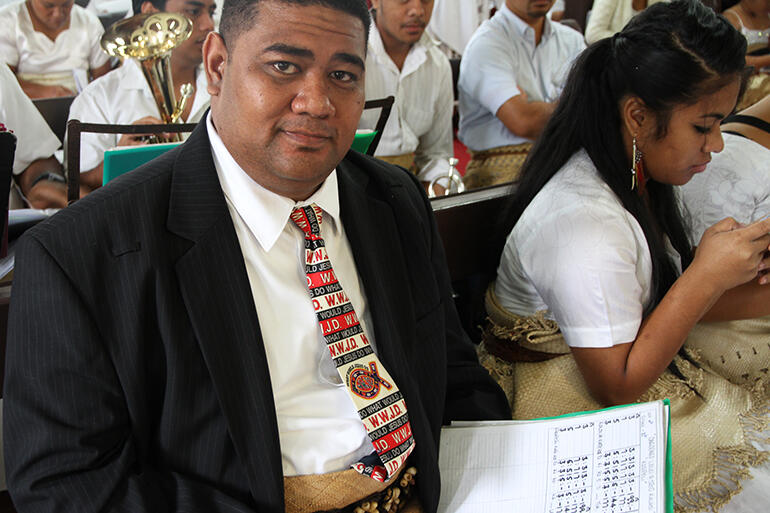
column 214, row 62
column 635, row 115
column 147, row 8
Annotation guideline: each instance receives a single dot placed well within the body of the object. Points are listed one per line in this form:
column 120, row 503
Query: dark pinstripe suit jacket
column 136, row 378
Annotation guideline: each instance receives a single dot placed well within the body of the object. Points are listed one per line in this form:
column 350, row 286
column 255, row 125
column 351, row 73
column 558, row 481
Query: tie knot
column 308, row 219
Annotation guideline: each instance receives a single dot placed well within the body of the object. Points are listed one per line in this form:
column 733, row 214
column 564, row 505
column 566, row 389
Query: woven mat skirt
column 495, row 166
column 720, row 399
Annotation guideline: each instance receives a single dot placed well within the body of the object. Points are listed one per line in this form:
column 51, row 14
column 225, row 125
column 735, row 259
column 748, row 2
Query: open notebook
column 612, row 460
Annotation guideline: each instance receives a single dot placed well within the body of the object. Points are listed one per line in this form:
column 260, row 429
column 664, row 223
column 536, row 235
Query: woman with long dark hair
column 598, row 285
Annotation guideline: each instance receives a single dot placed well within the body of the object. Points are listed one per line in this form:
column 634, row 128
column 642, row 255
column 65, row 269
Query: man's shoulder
column 377, row 176
column 365, row 165
column 114, row 79
column 490, row 40
column 11, row 11
column 103, row 88
column 366, row 181
column 437, row 59
column 568, row 35
column 85, row 19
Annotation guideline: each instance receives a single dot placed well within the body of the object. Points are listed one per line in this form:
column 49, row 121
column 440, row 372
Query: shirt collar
column 521, row 26
column 418, row 53
column 134, row 78
column 265, row 212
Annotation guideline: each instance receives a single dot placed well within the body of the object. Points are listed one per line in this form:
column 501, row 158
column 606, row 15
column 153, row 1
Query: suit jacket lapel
column 216, row 292
column 371, row 228
column 378, row 243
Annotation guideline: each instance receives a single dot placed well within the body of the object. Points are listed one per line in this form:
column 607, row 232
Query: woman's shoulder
column 733, row 17
column 575, row 188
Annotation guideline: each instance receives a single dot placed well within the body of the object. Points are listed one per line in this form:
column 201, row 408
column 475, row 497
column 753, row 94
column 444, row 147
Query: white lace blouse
column 736, row 184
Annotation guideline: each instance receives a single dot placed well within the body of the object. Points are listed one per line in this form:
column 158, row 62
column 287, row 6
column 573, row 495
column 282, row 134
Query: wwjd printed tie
column 374, row 393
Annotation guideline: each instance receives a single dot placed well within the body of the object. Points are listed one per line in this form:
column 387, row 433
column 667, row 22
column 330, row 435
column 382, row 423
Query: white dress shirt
column 122, row 96
column 34, row 138
column 736, row 184
column 421, row 119
column 579, row 254
column 609, row 17
column 109, row 7
column 319, row 428
column 454, row 21
column 501, row 61
column 32, row 52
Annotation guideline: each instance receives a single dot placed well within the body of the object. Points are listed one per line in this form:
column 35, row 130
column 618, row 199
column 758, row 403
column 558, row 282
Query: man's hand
column 439, row 190
column 43, row 193
column 47, row 194
column 139, row 139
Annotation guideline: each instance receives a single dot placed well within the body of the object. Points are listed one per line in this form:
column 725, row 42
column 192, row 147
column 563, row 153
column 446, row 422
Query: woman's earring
column 637, row 169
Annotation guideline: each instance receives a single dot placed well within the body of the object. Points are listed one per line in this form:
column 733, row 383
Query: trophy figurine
column 149, row 38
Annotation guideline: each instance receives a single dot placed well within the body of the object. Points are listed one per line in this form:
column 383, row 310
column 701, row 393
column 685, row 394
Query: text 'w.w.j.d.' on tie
column 374, row 393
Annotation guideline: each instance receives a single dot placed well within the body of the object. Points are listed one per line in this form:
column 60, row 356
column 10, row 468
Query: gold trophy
column 149, row 38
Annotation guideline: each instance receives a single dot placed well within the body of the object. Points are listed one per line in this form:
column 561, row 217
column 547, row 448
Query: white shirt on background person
column 501, row 61
column 420, row 121
column 120, row 97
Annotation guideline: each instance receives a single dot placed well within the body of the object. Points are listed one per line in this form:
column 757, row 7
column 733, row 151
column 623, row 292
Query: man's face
column 200, row 12
column 287, row 93
column 402, row 21
column 529, row 10
column 53, row 14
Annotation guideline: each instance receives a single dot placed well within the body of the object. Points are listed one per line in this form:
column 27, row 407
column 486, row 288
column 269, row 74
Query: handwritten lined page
column 607, row 461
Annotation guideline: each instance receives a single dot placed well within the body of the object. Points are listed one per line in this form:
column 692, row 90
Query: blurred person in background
column 52, row 46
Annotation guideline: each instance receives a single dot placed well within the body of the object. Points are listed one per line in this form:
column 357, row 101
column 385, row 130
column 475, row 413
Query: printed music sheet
column 613, row 460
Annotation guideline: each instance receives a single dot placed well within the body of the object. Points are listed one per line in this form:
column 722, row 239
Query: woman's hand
column 730, row 254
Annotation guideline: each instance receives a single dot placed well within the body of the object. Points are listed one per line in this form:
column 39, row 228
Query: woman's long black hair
column 671, row 54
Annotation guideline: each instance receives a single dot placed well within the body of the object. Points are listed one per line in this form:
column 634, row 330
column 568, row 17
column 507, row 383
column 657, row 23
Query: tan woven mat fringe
column 343, row 490
column 495, row 166
column 406, row 161
column 737, row 350
column 716, row 422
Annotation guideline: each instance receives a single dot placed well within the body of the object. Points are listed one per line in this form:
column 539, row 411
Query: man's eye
column 343, row 76
column 285, row 67
column 193, row 13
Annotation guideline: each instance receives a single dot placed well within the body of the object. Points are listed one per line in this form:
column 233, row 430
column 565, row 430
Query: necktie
column 375, row 395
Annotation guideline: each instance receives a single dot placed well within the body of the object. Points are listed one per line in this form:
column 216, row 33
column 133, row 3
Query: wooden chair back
column 74, row 130
column 55, row 111
column 385, row 104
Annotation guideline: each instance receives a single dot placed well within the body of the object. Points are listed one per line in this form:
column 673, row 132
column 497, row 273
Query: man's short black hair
column 239, row 15
column 158, row 4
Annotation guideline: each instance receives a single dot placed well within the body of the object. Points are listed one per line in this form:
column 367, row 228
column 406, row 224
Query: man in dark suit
column 156, row 360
